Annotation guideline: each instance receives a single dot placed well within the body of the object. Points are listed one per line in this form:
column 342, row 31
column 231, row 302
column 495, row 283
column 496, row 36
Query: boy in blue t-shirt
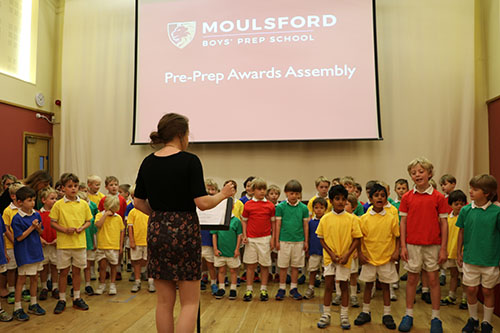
column 315, row 252
column 27, row 250
column 4, row 316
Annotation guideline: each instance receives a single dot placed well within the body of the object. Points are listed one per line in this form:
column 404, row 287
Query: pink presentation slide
column 260, row 70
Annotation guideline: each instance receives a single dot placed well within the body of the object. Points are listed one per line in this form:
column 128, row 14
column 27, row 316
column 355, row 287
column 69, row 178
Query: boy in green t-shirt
column 226, row 245
column 479, row 224
column 292, row 237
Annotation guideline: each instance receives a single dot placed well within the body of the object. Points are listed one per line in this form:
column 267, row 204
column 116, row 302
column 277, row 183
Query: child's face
column 123, row 193
column 319, row 210
column 339, row 203
column 26, row 205
column 401, row 189
column 448, row 187
column 211, row 190
column 259, row 193
column 49, row 201
column 349, row 187
column 379, row 200
column 293, row 197
column 112, row 187
column 323, row 189
column 94, row 186
column 420, row 176
column 84, row 189
column 70, row 189
column 273, row 196
column 249, row 189
column 478, row 195
column 457, row 206
column 348, row 207
column 357, row 192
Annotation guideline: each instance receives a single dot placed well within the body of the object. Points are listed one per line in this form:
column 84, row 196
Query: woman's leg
column 189, row 294
column 165, row 305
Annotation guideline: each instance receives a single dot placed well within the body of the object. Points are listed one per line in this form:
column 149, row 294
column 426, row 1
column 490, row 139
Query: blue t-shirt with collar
column 29, row 250
column 130, row 206
column 206, row 238
column 3, row 258
column 314, row 242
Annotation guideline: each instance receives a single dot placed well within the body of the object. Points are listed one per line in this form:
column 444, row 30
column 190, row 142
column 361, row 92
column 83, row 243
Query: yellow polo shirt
column 108, row 235
column 338, row 232
column 139, row 222
column 310, row 205
column 71, row 214
column 95, row 198
column 452, row 236
column 388, row 207
column 7, row 216
column 379, row 236
column 238, row 208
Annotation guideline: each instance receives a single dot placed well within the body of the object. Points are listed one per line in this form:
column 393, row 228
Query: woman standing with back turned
column 169, row 187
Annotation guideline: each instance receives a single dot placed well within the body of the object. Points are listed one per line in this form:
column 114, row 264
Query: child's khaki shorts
column 207, row 253
column 291, row 254
column 140, row 252
column 450, row 263
column 110, row 255
column 30, row 269
column 12, row 262
column 486, row 276
column 341, row 272
column 71, row 257
column 91, row 255
column 258, row 250
column 422, row 257
column 354, row 265
column 386, row 273
column 315, row 262
column 230, row 262
column 49, row 255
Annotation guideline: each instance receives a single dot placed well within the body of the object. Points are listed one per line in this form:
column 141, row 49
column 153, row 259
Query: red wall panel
column 14, row 121
column 494, row 134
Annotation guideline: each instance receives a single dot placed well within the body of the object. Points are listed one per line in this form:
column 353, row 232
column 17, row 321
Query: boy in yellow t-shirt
column 110, row 236
column 379, row 250
column 322, row 185
column 11, row 265
column 70, row 216
column 456, row 199
column 137, row 223
column 339, row 234
column 94, row 184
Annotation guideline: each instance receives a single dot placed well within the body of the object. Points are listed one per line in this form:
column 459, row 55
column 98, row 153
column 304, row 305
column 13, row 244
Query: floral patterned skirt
column 174, row 246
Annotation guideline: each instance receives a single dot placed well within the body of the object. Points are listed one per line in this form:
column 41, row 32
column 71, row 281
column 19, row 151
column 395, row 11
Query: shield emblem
column 181, row 33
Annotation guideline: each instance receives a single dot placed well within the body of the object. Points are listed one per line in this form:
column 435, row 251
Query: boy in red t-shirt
column 424, row 238
column 258, row 222
column 49, row 240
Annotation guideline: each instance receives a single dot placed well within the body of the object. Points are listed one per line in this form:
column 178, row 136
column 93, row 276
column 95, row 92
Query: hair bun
column 155, row 137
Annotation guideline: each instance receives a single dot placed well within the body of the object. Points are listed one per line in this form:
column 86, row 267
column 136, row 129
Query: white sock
column 143, row 269
column 221, row 285
column 138, row 281
column 293, row 285
column 337, row 288
column 409, row 312
column 366, row 308
column 283, row 286
column 112, row 285
column 472, row 310
column 151, row 280
column 425, row 289
column 213, row 281
column 12, row 289
column 44, row 285
column 263, row 287
column 55, row 285
column 87, row 284
column 233, row 286
column 62, row 297
column 354, row 290
column 344, row 311
column 464, row 295
column 24, row 288
column 434, row 314
column 443, row 272
column 311, row 286
column 102, row 285
column 452, row 294
column 249, row 287
column 76, row 294
column 326, row 309
column 119, row 269
column 488, row 312
column 33, row 300
column 387, row 310
column 92, row 270
column 17, row 306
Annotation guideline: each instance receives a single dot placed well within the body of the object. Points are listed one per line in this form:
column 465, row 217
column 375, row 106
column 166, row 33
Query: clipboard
column 217, row 218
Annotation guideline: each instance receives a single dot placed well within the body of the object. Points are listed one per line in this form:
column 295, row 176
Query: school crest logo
column 181, row 33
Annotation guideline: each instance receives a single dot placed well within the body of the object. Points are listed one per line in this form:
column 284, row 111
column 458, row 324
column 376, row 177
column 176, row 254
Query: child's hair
column 353, row 200
column 249, row 179
column 447, row 178
column 83, row 195
column 321, row 179
column 170, row 126
column 232, row 182
column 24, row 193
column 457, row 195
column 487, row 183
column 125, row 187
column 211, row 182
column 337, row 190
column 112, row 203
column 347, row 180
column 132, row 190
column 37, row 178
column 321, row 201
column 402, row 181
column 67, row 177
column 110, row 179
column 369, row 185
column 425, row 163
column 433, row 183
column 45, row 192
column 377, row 187
column 82, row 186
column 335, row 180
column 273, row 188
column 93, row 179
column 384, row 184
column 14, row 187
column 293, row 186
column 359, row 187
column 58, row 185
column 258, row 184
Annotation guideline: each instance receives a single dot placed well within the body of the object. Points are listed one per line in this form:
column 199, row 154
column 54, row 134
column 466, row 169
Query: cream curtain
column 426, row 75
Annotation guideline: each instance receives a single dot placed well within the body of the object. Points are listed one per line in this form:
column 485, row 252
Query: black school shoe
column 60, row 306
column 426, row 297
column 388, row 322
column 80, row 304
column 362, row 319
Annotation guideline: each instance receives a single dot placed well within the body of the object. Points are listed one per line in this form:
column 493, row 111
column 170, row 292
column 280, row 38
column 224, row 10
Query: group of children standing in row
column 75, row 226
column 424, row 228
